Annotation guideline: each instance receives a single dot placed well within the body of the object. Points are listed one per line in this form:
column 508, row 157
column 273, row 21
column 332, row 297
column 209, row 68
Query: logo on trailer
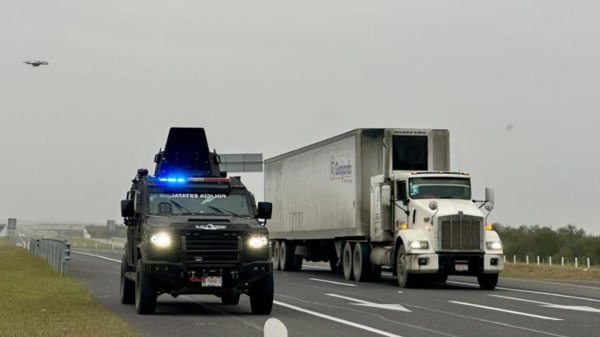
column 340, row 169
column 211, row 227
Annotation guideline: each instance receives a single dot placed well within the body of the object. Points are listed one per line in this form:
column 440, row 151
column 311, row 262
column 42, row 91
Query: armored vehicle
column 193, row 230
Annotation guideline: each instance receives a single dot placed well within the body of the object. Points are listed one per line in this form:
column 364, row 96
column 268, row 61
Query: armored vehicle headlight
column 161, row 240
column 258, row 241
column 494, row 245
column 419, row 244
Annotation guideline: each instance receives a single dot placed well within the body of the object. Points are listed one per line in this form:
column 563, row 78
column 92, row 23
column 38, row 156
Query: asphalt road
column 317, row 302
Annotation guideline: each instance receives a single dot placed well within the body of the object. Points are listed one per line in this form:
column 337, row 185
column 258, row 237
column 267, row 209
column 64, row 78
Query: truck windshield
column 440, row 188
column 187, row 203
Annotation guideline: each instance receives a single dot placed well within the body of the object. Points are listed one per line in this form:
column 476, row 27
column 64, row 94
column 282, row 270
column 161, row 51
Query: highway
column 317, row 302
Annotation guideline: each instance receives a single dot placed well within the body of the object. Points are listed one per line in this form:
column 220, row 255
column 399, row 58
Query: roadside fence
column 547, row 261
column 56, row 252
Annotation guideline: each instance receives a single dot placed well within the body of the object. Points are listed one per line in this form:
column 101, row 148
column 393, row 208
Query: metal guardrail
column 56, row 252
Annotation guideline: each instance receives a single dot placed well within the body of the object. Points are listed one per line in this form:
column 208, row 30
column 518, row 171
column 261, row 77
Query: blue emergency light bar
column 182, row 180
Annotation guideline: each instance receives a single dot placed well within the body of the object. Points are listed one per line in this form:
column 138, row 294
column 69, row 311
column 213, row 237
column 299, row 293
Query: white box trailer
column 338, row 200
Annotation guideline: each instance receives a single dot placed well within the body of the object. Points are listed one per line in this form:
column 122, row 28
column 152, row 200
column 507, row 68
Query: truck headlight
column 419, row 244
column 258, row 241
column 161, row 240
column 494, row 245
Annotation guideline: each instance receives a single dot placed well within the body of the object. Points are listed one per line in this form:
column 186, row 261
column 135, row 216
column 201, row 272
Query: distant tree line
column 568, row 242
column 101, row 232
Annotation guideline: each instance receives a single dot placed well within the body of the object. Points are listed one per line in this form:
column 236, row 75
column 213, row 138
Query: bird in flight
column 36, row 63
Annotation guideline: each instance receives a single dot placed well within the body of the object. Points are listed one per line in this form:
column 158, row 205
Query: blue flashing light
column 176, row 180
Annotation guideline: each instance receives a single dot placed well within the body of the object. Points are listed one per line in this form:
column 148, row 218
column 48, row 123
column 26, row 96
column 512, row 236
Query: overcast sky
column 516, row 82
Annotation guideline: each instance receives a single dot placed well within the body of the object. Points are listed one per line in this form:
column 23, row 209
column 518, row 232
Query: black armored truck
column 193, row 230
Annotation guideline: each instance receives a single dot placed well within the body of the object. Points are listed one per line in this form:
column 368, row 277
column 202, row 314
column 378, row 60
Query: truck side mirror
column 386, row 195
column 489, row 199
column 265, row 209
column 401, row 192
column 127, row 210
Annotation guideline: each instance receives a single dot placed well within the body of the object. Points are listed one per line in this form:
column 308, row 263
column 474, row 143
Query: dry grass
column 35, row 301
column 550, row 273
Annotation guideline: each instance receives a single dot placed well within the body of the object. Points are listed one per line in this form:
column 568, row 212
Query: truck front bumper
column 455, row 263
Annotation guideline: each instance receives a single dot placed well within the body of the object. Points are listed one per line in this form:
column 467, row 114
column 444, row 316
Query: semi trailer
column 373, row 199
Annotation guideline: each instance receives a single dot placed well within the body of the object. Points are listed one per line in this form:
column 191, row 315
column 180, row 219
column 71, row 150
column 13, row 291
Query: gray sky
column 514, row 81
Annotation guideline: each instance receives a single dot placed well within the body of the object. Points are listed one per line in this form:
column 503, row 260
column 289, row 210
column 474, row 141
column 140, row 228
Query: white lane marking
column 532, row 292
column 507, row 311
column 315, row 267
column 396, row 307
column 338, row 320
column 98, row 256
column 333, row 282
column 552, row 305
column 554, row 283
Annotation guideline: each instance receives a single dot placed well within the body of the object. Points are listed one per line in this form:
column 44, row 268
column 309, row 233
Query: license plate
column 461, row 267
column 212, row 281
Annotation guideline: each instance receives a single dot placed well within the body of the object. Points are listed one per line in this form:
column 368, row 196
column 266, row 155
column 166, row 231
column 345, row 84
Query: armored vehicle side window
column 409, row 153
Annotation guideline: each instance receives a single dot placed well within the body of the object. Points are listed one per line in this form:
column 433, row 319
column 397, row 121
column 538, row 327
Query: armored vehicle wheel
column 261, row 295
column 127, row 290
column 230, row 299
column 404, row 278
column 487, row 281
column 286, row 256
column 275, row 256
column 145, row 292
column 347, row 261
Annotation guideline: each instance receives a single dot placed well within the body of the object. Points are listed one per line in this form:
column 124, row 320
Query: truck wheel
column 275, row 257
column 361, row 262
column 286, row 256
column 297, row 266
column 127, row 290
column 261, row 295
column 145, row 291
column 231, row 299
column 347, row 261
column 487, row 281
column 404, row 278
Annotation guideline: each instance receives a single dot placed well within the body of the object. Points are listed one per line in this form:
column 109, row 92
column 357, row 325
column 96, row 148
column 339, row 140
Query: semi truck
column 373, row 199
column 193, row 230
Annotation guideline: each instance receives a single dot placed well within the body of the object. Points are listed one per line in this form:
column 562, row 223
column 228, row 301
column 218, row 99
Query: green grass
column 35, row 301
column 550, row 272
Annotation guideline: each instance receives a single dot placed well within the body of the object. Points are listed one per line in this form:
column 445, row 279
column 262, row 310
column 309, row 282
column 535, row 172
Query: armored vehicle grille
column 212, row 248
column 461, row 233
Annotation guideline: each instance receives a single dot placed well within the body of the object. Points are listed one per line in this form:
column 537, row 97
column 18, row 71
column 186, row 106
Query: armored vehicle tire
column 405, row 279
column 286, row 256
column 261, row 294
column 127, row 289
column 276, row 255
column 487, row 281
column 231, row 299
column 347, row 261
column 145, row 292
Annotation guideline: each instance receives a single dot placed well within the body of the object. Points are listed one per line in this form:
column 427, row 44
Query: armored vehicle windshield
column 199, row 203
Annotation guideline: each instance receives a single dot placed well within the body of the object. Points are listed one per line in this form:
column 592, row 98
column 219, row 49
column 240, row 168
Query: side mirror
column 489, row 199
column 386, row 195
column 265, row 209
column 127, row 210
column 400, row 192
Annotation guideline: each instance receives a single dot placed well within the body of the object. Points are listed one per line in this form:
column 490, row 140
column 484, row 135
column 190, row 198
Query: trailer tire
column 145, row 291
column 487, row 281
column 286, row 256
column 275, row 256
column 405, row 279
column 261, row 294
column 347, row 261
column 127, row 290
column 361, row 262
column 333, row 264
column 297, row 265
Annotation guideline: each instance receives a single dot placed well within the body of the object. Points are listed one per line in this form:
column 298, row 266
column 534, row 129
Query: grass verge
column 550, row 272
column 35, row 301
